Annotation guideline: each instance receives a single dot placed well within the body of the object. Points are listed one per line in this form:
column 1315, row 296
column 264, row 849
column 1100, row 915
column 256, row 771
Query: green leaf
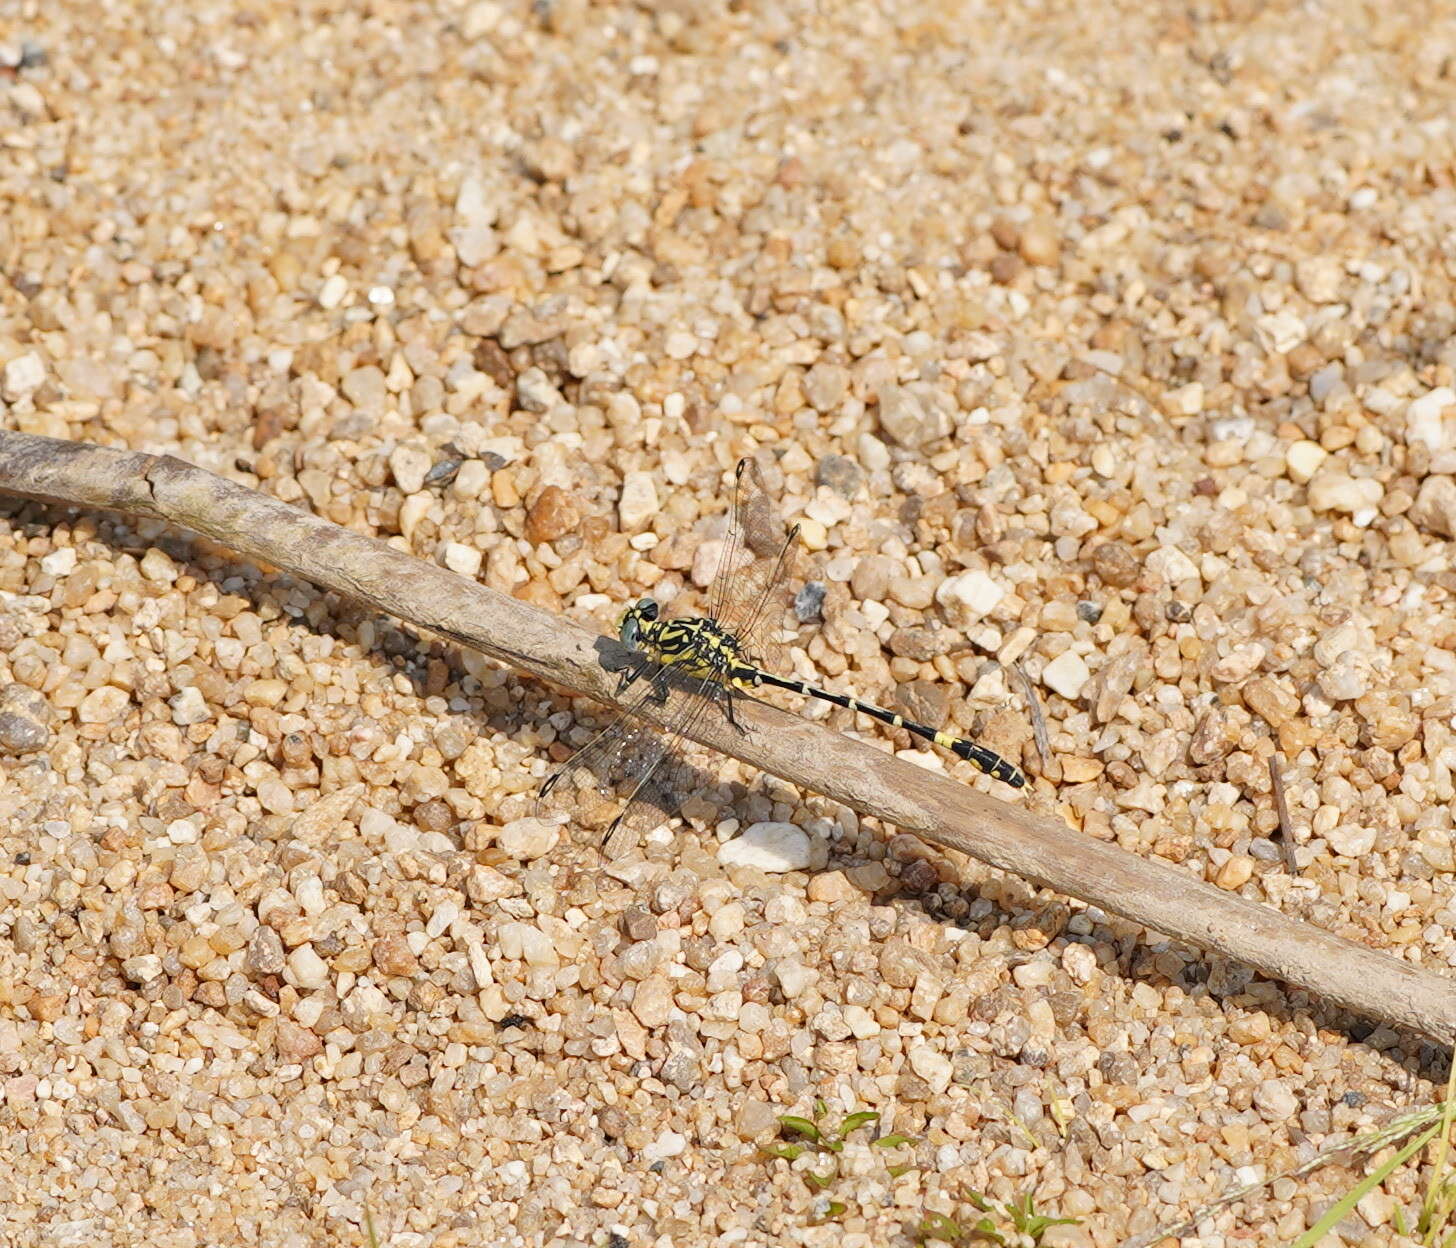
column 986, row 1228
column 891, row 1141
column 904, row 1168
column 855, row 1121
column 835, row 1209
column 784, row 1152
column 1036, row 1225
column 834, row 1146
column 938, row 1226
column 975, row 1198
column 820, row 1109
column 800, row 1125
column 819, row 1181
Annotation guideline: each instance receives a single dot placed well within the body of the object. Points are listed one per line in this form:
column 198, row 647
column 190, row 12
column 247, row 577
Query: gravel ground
column 1114, row 338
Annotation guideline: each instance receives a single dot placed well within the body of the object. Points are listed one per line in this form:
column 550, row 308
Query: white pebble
column 971, row 595
column 1280, row 332
column 794, row 977
column 771, row 847
column 1335, row 491
column 462, row 559
column 1425, row 418
column 142, row 969
column 1303, row 459
column 332, row 292
column 638, row 502
column 668, row 1144
column 189, row 707
column 414, row 509
column 23, row 375
column 1066, row 674
column 1275, row 1101
column 931, row 1065
column 409, row 464
column 182, row 832
column 1347, row 678
column 472, row 203
column 525, row 839
column 309, row 893
column 680, row 345
column 1240, row 663
column 59, row 562
column 1172, row 565
column 1350, row 840
column 472, row 478
column 1188, row 400
column 307, row 968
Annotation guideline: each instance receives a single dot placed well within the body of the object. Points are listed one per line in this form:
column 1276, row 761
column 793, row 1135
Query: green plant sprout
column 1027, row 1225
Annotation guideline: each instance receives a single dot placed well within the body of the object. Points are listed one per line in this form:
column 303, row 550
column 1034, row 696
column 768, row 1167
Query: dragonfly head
column 641, row 612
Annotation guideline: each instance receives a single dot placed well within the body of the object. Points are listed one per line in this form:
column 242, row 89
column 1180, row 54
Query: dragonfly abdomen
column 986, row 761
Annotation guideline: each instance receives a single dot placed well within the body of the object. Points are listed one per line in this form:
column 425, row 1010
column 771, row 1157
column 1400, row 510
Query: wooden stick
column 875, row 783
column 1281, row 806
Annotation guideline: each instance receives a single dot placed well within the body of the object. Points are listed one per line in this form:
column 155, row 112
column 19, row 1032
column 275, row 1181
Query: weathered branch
column 931, row 806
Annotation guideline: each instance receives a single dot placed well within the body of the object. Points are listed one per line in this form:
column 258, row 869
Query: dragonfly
column 713, row 659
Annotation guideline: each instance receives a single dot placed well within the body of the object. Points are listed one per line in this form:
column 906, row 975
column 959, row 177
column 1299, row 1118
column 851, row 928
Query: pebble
column 1303, row 459
column 553, row 515
column 1273, row 1099
column 909, row 420
column 462, row 559
column 1426, row 419
column 393, row 956
column 809, row 602
column 365, row 388
column 331, row 293
column 23, row 376
column 638, row 502
column 103, row 705
column 409, row 465
column 1351, row 840
column 1067, row 674
column 652, row 1002
column 971, row 596
column 59, row 562
column 25, row 717
column 525, row 840
column 840, row 474
column 1434, row 508
column 1116, row 565
column 825, row 386
column 1337, row 491
column 932, row 1066
column 770, row 847
column 307, row 969
column 1347, row 678
column 265, row 954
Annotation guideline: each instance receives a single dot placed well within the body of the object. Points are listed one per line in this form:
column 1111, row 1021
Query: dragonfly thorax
column 694, row 645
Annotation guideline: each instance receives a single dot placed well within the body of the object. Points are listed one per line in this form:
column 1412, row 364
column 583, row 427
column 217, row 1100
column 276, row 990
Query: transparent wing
column 662, row 789
column 750, row 589
column 629, row 778
column 589, row 787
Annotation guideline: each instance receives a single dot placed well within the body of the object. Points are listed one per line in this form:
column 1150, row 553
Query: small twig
column 936, row 808
column 1286, row 832
column 1038, row 720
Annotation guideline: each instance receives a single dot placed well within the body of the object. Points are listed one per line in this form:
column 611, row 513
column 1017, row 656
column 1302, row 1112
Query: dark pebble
column 809, row 603
column 840, row 474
